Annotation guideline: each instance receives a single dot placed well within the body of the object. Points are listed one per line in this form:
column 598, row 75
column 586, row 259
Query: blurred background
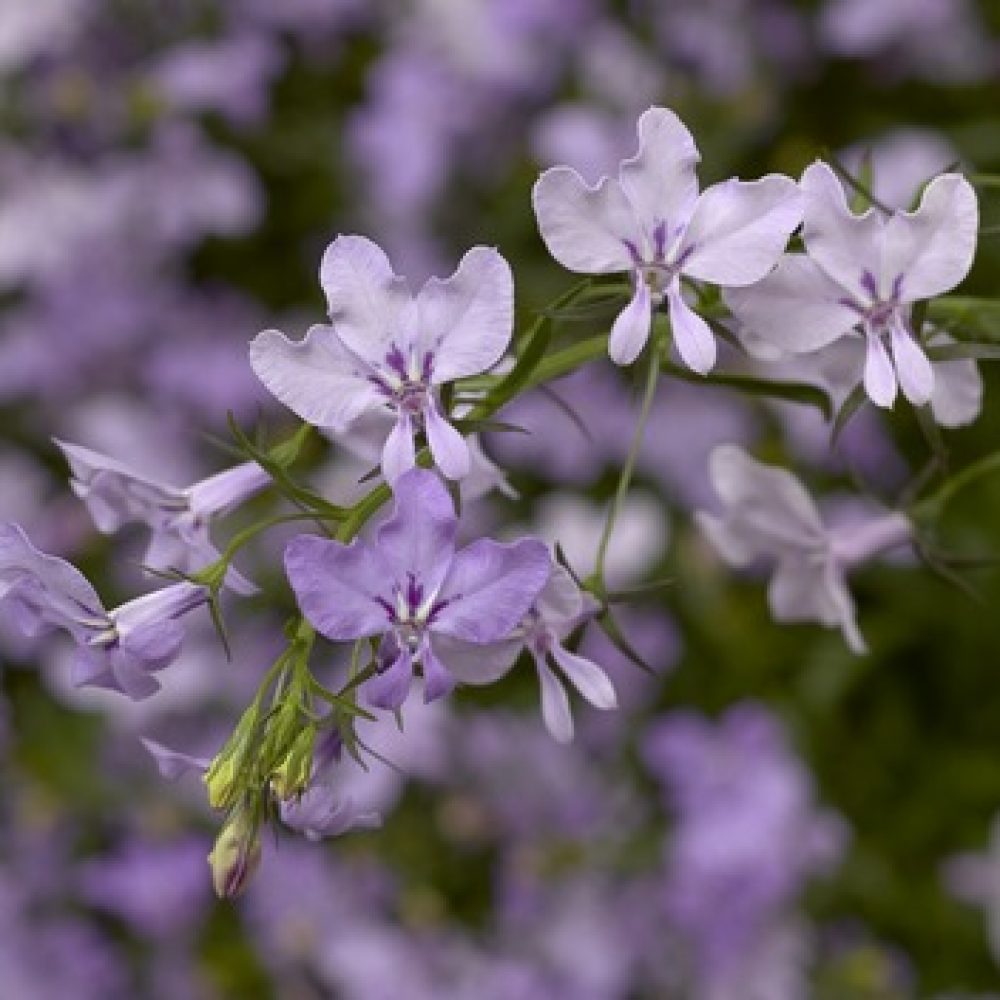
column 767, row 816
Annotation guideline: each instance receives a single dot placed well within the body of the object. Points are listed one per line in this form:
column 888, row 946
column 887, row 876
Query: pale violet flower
column 975, row 879
column 119, row 649
column 862, row 273
column 432, row 606
column 767, row 513
column 652, row 224
column 179, row 519
column 392, row 350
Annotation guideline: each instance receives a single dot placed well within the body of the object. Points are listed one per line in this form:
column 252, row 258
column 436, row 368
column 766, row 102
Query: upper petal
column 932, row 248
column 490, row 587
column 586, row 229
column 366, row 299
column 338, row 587
column 660, row 180
column 797, row 307
column 739, row 229
column 845, row 245
column 316, row 377
column 227, row 489
column 419, row 536
column 466, row 321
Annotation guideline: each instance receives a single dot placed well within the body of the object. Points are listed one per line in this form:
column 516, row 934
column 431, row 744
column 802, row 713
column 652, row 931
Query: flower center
column 405, row 382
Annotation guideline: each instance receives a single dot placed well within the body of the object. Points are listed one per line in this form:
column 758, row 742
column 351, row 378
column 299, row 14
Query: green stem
column 625, row 479
column 934, row 505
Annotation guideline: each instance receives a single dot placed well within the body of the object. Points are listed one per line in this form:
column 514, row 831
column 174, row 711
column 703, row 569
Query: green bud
column 221, row 778
column 293, row 773
column 235, row 857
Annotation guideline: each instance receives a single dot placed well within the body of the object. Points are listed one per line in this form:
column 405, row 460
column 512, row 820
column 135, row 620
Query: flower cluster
column 416, row 377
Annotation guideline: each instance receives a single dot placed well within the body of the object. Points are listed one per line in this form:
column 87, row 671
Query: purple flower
column 767, row 512
column 432, row 606
column 118, row 649
column 652, row 224
column 178, row 518
column 862, row 272
column 389, row 349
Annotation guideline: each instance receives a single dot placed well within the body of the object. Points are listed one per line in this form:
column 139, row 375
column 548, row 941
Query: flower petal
column 490, row 588
column 693, row 337
column 797, row 307
column 586, row 229
column 225, row 490
column 845, row 245
column 466, row 321
column 164, row 605
column 366, row 299
column 631, row 327
column 958, row 390
column 317, row 377
column 172, row 764
column 932, row 248
column 803, row 590
column 448, row 447
column 880, row 377
column 476, row 664
column 556, row 712
column 660, row 180
column 338, row 586
column 438, row 682
column 587, row 677
column 419, row 537
column 739, row 229
column 916, row 377
column 561, row 602
column 389, row 688
column 399, row 454
column 49, row 590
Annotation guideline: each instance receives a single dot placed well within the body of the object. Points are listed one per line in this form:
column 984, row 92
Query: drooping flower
column 652, row 224
column 119, row 649
column 861, row 273
column 179, row 519
column 767, row 513
column 431, row 605
column 389, row 349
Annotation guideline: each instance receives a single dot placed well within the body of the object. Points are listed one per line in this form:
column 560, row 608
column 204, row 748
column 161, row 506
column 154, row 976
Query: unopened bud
column 235, row 858
column 292, row 775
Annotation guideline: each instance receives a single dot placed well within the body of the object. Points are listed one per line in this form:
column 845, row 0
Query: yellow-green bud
column 292, row 774
column 235, row 857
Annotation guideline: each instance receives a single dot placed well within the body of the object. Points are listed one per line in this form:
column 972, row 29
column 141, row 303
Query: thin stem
column 625, row 479
column 935, row 505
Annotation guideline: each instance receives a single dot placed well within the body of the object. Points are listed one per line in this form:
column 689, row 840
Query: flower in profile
column 432, row 606
column 179, row 519
column 767, row 513
column 861, row 274
column 119, row 649
column 652, row 224
column 390, row 350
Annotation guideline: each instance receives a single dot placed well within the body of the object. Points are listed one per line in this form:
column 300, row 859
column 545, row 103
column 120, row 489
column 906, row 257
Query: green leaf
column 953, row 352
column 966, row 316
column 792, row 392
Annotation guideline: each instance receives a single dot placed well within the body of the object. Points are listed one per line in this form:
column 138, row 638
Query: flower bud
column 293, row 773
column 235, row 857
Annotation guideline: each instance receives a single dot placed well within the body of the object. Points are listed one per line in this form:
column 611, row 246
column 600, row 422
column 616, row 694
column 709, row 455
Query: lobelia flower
column 388, row 349
column 119, row 649
column 861, row 273
column 179, row 519
column 654, row 225
column 431, row 605
column 768, row 513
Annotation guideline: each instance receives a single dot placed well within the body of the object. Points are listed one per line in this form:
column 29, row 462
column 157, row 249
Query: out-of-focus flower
column 863, row 271
column 768, row 513
column 179, row 519
column 31, row 30
column 975, row 879
column 389, row 349
column 119, row 649
column 433, row 606
column 652, row 224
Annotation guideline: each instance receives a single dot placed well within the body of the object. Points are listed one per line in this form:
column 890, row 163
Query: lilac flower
column 390, row 349
column 323, row 809
column 767, row 512
column 975, row 879
column 652, row 224
column 432, row 606
column 118, row 649
column 179, row 519
column 861, row 272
